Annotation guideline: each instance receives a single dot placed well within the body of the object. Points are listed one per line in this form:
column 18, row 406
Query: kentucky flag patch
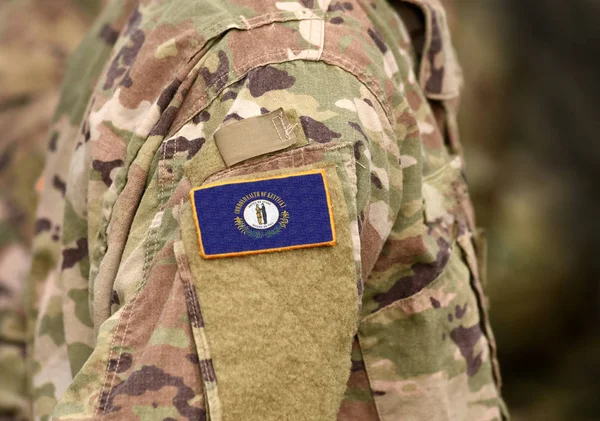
column 240, row 217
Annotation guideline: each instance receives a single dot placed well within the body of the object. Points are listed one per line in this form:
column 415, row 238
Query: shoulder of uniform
column 341, row 34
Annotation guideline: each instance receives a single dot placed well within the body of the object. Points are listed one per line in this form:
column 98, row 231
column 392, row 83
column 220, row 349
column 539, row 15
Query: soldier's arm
column 263, row 314
column 198, row 307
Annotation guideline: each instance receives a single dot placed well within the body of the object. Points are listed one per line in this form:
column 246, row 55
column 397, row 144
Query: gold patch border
column 322, row 172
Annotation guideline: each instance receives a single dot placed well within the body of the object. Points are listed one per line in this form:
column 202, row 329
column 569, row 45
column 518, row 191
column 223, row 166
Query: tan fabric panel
column 280, row 325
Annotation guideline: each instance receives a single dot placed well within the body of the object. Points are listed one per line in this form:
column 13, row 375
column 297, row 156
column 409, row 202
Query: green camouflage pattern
column 119, row 332
column 36, row 37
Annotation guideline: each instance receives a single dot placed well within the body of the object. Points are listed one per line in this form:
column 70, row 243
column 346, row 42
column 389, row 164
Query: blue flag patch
column 235, row 218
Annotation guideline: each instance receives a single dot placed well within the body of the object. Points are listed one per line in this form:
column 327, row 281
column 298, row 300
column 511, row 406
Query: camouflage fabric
column 128, row 322
column 36, row 37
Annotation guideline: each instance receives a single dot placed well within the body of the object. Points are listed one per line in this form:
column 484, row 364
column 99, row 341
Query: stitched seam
column 350, row 67
column 324, row 10
column 251, row 23
column 204, row 343
column 101, row 240
column 189, row 295
column 102, row 237
column 188, row 292
column 248, row 65
column 289, row 130
column 119, row 324
column 275, row 125
column 213, row 406
column 110, row 354
column 289, row 16
column 121, row 348
column 104, row 234
column 149, row 237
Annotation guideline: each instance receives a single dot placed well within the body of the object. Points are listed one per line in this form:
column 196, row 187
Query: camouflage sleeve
column 340, row 128
column 265, row 230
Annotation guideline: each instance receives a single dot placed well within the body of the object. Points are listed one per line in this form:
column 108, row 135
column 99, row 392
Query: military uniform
column 261, row 215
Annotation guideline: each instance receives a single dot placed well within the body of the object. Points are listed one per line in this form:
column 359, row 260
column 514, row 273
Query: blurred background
column 529, row 121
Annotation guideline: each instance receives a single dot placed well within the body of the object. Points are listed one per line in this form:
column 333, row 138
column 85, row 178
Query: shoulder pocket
column 431, row 355
column 279, row 325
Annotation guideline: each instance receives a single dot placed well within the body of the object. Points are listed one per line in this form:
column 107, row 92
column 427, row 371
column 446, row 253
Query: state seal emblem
column 261, row 214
